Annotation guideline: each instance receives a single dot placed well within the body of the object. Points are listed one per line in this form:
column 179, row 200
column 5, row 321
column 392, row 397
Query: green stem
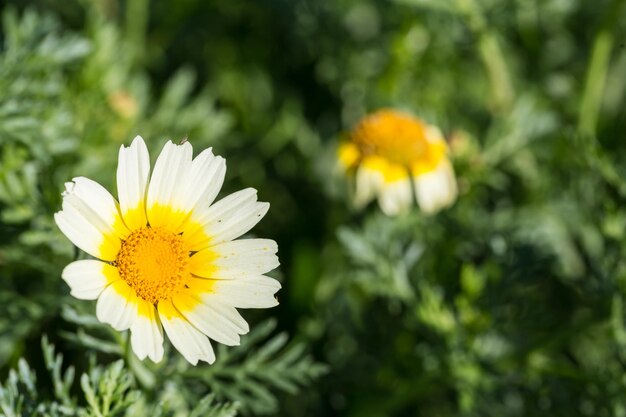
column 595, row 79
column 136, row 27
column 502, row 92
column 493, row 59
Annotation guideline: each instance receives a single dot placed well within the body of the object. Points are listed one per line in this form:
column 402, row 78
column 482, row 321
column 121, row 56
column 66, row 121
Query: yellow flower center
column 395, row 136
column 155, row 263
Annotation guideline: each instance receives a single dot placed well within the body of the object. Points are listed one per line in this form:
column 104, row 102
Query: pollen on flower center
column 393, row 135
column 155, row 263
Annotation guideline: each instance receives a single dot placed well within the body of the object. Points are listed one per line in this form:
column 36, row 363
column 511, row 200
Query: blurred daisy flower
column 395, row 154
column 167, row 258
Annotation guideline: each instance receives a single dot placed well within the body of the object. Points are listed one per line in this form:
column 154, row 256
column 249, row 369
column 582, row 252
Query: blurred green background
column 510, row 303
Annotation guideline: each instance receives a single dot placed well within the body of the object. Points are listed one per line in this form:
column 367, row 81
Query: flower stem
column 502, row 92
column 597, row 71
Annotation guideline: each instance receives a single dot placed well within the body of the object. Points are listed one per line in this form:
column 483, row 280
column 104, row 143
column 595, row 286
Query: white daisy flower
column 393, row 155
column 167, row 258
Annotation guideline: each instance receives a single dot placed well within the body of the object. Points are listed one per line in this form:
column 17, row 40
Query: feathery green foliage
column 510, row 303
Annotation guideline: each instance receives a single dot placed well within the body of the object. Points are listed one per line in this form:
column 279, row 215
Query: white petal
column 95, row 203
column 165, row 192
column 217, row 320
column 117, row 306
column 436, row 189
column 204, row 181
column 188, row 340
column 227, row 219
column 395, row 197
column 248, row 292
column 133, row 169
column 88, row 278
column 368, row 183
column 235, row 259
column 90, row 218
column 146, row 333
column 86, row 229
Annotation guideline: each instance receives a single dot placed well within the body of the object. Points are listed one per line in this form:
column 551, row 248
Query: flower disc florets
column 393, row 135
column 155, row 263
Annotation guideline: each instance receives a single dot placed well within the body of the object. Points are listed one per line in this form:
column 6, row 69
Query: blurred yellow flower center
column 393, row 135
column 155, row 263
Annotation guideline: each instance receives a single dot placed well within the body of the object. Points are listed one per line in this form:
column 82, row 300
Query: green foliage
column 248, row 373
column 105, row 392
column 510, row 303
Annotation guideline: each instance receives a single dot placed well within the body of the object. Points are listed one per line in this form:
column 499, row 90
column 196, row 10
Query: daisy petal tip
column 136, row 142
column 77, row 295
column 267, row 303
column 249, row 191
column 208, row 357
column 262, row 208
column 185, row 144
column 140, row 355
column 156, row 357
column 58, row 219
column 85, row 279
column 245, row 329
column 88, row 293
column 194, row 361
column 69, row 188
